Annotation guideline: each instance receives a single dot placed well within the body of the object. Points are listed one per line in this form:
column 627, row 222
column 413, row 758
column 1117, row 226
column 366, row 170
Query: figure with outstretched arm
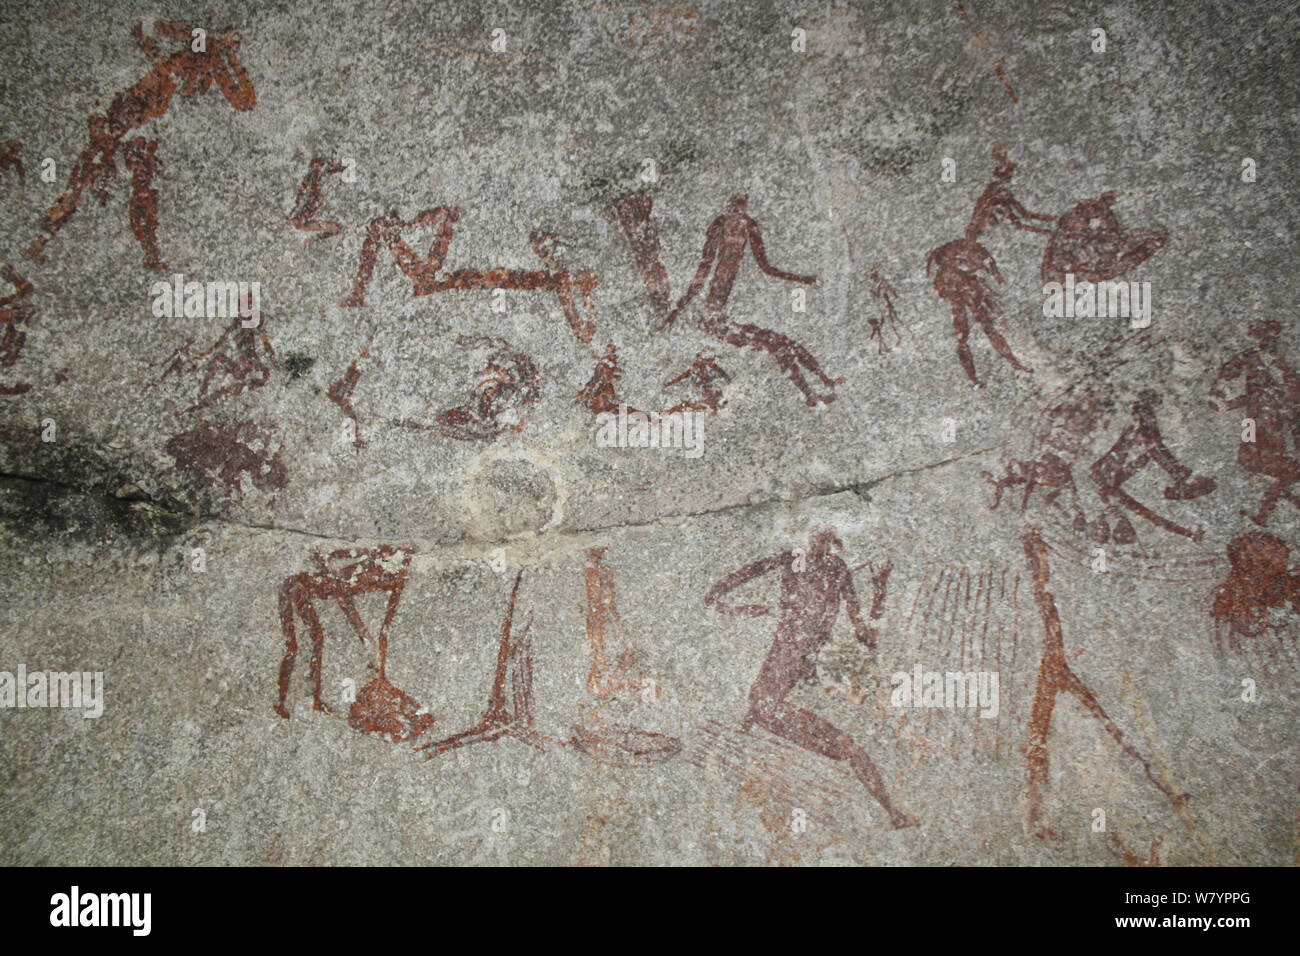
column 725, row 242
column 812, row 588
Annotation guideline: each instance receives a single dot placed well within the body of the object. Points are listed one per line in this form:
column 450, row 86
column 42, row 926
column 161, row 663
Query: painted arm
column 760, row 256
column 734, row 580
column 879, row 582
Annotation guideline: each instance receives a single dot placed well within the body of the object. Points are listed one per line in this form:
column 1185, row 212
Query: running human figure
column 812, row 587
column 725, row 242
column 959, row 264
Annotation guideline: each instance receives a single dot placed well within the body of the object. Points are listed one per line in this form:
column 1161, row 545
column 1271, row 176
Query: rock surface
column 530, row 645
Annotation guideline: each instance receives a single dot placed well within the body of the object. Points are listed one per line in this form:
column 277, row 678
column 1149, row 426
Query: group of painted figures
column 1088, row 241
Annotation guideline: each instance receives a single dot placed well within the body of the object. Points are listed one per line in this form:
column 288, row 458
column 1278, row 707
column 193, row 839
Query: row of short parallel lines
column 969, row 622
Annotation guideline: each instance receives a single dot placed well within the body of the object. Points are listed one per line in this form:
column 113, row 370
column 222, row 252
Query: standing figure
column 812, row 587
column 1056, row 677
column 959, row 263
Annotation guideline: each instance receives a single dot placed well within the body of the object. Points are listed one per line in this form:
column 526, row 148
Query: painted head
column 822, row 540
column 1266, row 331
column 1003, row 167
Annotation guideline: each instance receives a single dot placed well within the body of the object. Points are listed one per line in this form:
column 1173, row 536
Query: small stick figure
column 309, row 199
column 235, row 353
column 186, row 72
column 703, row 372
column 812, row 587
column 725, row 243
column 887, row 321
column 1055, row 677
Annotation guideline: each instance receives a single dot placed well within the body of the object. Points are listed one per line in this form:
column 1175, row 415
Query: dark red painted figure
column 704, row 372
column 141, row 157
column 1048, row 471
column 1259, row 581
column 224, row 453
column 304, row 215
column 10, row 159
column 958, row 265
column 15, row 314
column 186, row 72
column 1142, row 438
column 725, row 243
column 1090, row 243
column 600, row 394
column 887, row 321
column 812, row 587
column 509, row 712
column 423, row 271
column 507, row 386
column 340, row 393
column 342, row 577
column 1271, row 399
column 635, row 215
